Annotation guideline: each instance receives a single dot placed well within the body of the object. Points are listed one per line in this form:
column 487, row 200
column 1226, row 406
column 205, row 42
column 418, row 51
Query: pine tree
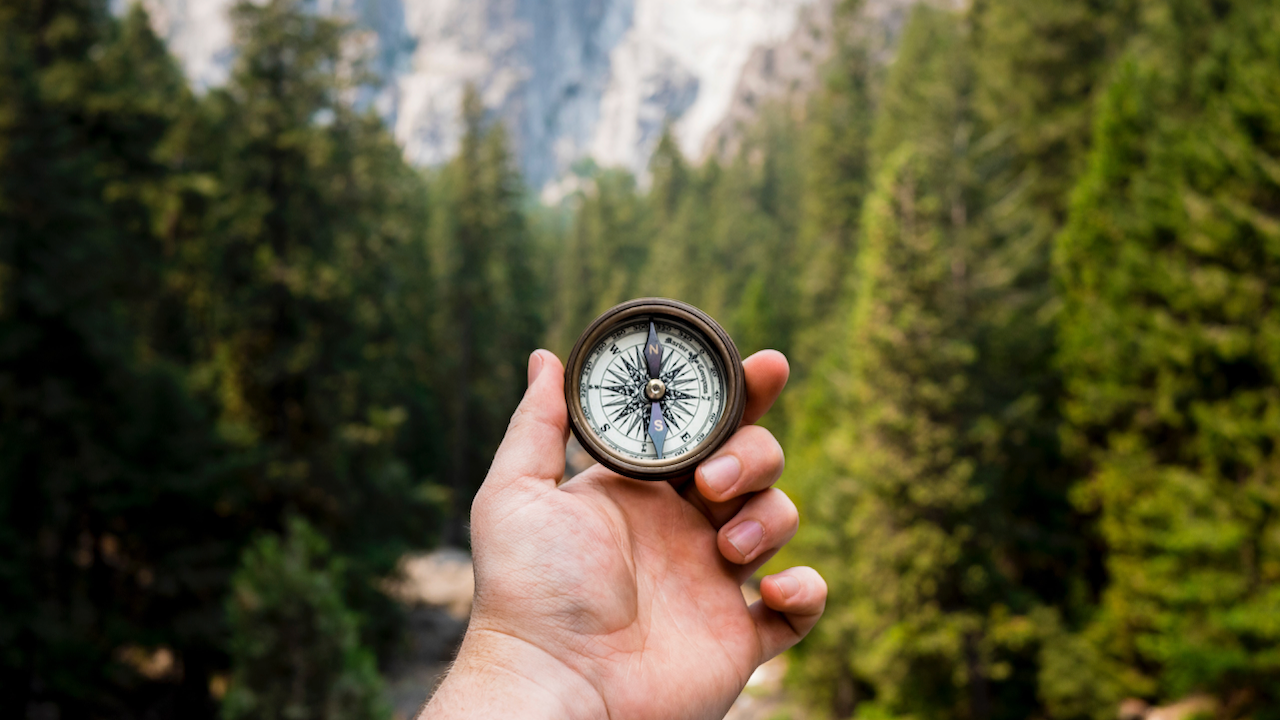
column 1039, row 67
column 295, row 646
column 719, row 238
column 836, row 180
column 751, row 272
column 724, row 243
column 670, row 179
column 753, row 237
column 108, row 468
column 296, row 253
column 487, row 323
column 896, row 485
column 1169, row 268
column 604, row 256
column 932, row 498
column 683, row 238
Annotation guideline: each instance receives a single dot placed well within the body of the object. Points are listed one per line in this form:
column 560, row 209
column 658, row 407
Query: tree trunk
column 979, row 700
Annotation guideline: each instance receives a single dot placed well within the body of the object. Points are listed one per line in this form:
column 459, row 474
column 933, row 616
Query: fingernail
column 721, row 473
column 787, row 585
column 745, row 536
column 535, row 366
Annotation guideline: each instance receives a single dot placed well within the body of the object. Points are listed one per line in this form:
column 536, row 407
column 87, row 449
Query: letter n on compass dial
column 615, row 378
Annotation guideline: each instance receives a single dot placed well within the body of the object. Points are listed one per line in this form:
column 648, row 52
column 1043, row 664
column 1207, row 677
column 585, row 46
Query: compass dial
column 653, row 387
column 613, row 384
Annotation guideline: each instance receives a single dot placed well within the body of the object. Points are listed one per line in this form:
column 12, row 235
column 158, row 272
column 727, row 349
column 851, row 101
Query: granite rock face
column 571, row 79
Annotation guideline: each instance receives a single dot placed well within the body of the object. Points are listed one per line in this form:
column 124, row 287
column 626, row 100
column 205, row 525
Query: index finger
column 767, row 372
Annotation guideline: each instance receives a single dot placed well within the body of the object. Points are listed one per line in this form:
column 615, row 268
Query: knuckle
column 762, row 448
column 528, row 417
column 790, row 512
column 785, row 510
column 754, row 434
column 816, row 583
column 521, row 416
column 768, row 445
column 779, row 457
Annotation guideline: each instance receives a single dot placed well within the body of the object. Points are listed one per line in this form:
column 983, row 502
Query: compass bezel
column 714, row 337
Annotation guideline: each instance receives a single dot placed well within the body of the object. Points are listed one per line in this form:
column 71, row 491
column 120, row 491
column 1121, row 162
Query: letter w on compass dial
column 625, row 400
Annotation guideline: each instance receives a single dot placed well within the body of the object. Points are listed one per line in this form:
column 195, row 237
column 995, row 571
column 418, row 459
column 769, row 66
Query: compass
column 654, row 387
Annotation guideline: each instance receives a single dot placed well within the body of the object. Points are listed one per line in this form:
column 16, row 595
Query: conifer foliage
column 1041, row 222
column 108, row 475
column 1023, row 259
column 486, row 320
column 218, row 313
column 913, row 493
column 1170, row 268
column 716, row 236
column 295, row 646
column 295, row 246
column 928, row 460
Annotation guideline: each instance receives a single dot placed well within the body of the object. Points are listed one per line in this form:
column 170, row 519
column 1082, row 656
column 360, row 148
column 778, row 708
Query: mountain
column 572, row 79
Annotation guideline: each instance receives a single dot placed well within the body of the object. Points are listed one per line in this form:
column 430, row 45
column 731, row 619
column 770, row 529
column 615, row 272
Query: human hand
column 607, row 597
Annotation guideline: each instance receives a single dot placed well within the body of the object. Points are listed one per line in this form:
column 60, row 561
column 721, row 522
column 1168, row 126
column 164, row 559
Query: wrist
column 497, row 675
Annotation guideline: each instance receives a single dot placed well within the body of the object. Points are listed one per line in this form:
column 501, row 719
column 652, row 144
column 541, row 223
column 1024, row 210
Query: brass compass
column 654, row 386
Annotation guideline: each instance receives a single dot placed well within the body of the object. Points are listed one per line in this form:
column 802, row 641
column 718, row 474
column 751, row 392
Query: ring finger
column 767, row 522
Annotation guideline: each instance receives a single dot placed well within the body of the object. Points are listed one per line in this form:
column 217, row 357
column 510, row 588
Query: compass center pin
column 655, row 389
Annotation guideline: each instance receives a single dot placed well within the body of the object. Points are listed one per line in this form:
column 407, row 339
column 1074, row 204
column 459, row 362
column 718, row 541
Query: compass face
column 613, row 381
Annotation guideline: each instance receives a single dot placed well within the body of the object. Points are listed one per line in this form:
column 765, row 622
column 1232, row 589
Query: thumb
column 533, row 450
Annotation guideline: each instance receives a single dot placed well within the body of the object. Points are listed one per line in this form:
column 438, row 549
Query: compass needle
column 653, row 352
column 657, row 428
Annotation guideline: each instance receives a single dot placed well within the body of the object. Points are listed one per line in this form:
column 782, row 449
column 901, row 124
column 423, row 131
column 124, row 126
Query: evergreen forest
column 1026, row 271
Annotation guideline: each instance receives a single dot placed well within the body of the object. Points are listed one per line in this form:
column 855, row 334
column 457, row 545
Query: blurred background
column 270, row 272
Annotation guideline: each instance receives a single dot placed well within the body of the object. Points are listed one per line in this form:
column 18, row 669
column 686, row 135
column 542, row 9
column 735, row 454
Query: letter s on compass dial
column 654, row 386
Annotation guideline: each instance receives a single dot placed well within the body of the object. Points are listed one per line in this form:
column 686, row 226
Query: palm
column 623, row 589
column 640, row 569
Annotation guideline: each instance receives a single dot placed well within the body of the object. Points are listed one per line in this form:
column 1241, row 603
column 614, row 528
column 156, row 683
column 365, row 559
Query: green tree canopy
column 109, row 468
column 295, row 648
column 1169, row 267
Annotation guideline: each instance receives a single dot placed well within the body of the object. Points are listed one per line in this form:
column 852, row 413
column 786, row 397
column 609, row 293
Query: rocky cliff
column 572, row 79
